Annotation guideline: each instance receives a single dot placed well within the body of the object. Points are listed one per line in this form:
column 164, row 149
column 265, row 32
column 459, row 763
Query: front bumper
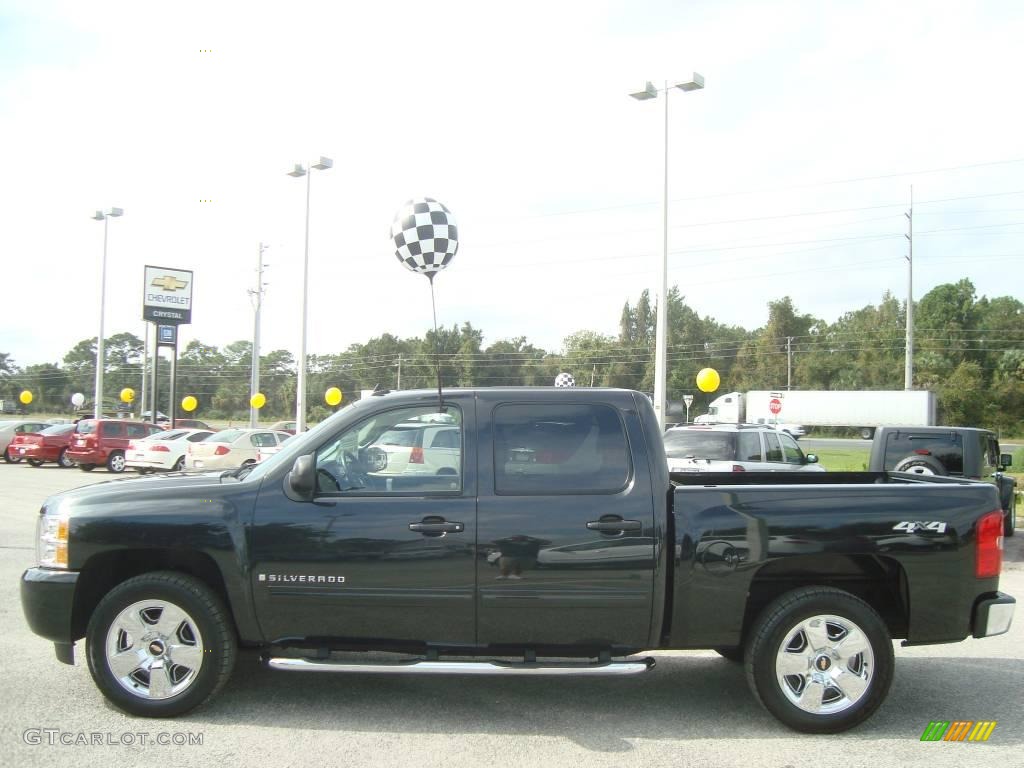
column 47, row 598
column 993, row 614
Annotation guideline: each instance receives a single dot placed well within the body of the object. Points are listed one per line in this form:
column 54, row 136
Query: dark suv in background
column 104, row 441
column 965, row 452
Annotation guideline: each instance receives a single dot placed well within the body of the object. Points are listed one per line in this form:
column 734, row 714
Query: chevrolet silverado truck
column 955, row 452
column 558, row 545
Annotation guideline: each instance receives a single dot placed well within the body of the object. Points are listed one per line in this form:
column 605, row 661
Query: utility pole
column 908, row 370
column 257, row 298
column 593, row 374
column 399, row 384
column 145, row 371
column 789, row 362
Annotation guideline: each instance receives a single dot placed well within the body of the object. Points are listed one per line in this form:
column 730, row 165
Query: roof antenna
column 437, row 345
column 426, row 240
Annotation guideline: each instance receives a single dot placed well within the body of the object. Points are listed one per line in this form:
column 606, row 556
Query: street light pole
column 908, row 372
column 661, row 330
column 100, row 355
column 254, row 380
column 300, row 394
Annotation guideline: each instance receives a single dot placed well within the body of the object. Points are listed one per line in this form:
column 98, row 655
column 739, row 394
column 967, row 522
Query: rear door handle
column 437, row 527
column 614, row 525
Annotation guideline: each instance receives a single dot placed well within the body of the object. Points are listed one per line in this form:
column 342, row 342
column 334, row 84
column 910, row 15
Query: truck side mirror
column 302, row 478
column 1005, row 460
column 811, row 458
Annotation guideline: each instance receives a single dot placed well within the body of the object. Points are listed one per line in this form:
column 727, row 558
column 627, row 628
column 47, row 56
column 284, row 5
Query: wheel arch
column 105, row 571
column 881, row 582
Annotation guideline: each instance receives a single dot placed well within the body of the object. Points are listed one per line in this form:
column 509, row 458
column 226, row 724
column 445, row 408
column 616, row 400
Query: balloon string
column 437, row 345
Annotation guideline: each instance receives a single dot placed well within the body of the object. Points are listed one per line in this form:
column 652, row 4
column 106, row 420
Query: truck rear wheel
column 820, row 660
column 160, row 644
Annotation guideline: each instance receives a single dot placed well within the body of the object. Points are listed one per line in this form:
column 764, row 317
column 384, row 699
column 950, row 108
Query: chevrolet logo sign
column 168, row 283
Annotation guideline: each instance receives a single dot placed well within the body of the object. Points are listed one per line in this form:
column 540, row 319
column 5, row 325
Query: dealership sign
column 167, row 296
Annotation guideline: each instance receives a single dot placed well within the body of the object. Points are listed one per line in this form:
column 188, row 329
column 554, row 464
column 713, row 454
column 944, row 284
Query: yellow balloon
column 189, row 403
column 333, row 396
column 708, row 380
column 25, row 397
column 127, row 395
column 258, row 400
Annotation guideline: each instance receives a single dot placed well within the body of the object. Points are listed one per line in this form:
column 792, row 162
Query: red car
column 49, row 444
column 104, row 441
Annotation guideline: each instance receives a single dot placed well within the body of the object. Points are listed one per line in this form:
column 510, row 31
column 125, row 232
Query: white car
column 417, row 448
column 164, row 450
column 231, row 448
column 735, row 448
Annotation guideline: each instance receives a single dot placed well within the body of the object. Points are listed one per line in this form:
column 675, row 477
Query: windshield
column 170, row 435
column 296, row 445
column 224, row 436
column 716, row 446
column 85, row 427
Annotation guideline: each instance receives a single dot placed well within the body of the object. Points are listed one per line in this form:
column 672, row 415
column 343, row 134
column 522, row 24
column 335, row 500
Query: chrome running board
column 417, row 667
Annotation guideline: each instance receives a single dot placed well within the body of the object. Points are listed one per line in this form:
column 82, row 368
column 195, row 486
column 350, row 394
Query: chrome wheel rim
column 117, row 463
column 824, row 664
column 154, row 649
column 64, row 461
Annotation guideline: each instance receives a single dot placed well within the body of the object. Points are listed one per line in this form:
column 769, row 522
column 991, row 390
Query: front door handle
column 609, row 524
column 435, row 526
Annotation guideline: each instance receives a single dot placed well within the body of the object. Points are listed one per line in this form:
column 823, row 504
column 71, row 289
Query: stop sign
column 775, row 405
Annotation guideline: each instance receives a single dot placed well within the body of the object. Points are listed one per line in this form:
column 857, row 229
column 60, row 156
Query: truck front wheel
column 160, row 644
column 820, row 660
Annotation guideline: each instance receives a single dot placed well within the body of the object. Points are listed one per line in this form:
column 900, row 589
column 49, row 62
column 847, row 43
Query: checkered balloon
column 425, row 236
column 565, row 380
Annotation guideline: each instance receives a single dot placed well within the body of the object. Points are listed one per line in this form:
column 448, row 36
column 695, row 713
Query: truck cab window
column 414, row 450
column 550, row 449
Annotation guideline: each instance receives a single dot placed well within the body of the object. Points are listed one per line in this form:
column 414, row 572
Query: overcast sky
column 789, row 173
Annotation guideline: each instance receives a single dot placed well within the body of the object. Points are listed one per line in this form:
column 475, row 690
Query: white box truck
column 789, row 410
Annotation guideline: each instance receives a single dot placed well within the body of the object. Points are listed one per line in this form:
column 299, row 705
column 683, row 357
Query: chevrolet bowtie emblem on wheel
column 168, row 283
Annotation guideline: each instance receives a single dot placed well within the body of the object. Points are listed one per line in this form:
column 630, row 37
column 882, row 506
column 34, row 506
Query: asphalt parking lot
column 694, row 709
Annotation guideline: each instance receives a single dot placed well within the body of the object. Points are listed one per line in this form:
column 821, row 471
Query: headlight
column 52, row 541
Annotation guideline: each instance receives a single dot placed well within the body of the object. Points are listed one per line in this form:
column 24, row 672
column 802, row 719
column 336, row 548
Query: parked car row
column 120, row 444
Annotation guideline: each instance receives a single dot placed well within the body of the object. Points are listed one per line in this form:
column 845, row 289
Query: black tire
column 34, row 462
column 1010, row 519
column 10, row 458
column 179, row 465
column 116, row 462
column 732, row 652
column 920, row 465
column 865, row 674
column 87, row 467
column 63, row 461
column 205, row 634
column 867, row 433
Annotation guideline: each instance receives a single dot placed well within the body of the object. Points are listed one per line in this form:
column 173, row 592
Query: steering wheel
column 355, row 474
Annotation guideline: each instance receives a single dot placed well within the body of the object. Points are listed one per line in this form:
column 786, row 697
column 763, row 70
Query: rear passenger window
column 447, row 438
column 113, row 429
column 773, row 451
column 551, row 449
column 749, row 447
column 138, row 430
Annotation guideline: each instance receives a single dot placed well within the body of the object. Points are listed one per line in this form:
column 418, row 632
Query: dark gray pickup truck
column 512, row 532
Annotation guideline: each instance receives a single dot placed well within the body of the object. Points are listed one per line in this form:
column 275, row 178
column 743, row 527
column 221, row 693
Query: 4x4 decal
column 911, row 526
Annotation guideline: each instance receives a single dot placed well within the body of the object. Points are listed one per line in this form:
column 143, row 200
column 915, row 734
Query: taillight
column 221, row 450
column 131, row 445
column 988, row 545
column 738, row 468
column 160, row 448
column 416, row 457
